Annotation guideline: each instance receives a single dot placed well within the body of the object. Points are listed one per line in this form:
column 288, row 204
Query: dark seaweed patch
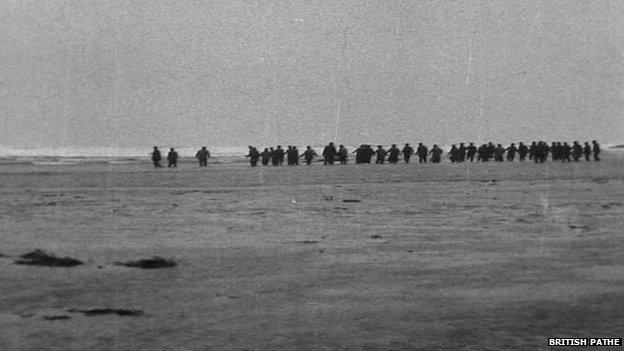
column 41, row 258
column 307, row 242
column 104, row 311
column 149, row 263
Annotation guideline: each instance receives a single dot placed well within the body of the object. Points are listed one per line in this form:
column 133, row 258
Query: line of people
column 172, row 157
column 537, row 151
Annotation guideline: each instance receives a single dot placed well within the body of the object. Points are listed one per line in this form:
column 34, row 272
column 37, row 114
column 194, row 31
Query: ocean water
column 112, row 155
column 109, row 155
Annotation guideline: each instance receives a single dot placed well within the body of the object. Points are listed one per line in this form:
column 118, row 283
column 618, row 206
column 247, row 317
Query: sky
column 118, row 73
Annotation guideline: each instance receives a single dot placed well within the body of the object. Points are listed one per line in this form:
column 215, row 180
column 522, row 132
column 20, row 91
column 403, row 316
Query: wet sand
column 450, row 256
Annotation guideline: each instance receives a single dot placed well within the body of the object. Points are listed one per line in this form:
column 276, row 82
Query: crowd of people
column 536, row 151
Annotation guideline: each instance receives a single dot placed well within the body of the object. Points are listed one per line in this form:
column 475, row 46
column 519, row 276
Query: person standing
column 265, row 156
column 295, row 154
column 278, row 156
column 577, row 151
column 596, row 150
column 343, row 153
column 381, row 155
column 511, row 152
column 462, row 152
column 202, row 155
column 156, row 157
column 436, row 153
column 274, row 158
column 587, row 151
column 407, row 152
column 471, row 151
column 523, row 150
column 393, row 154
column 329, row 154
column 308, row 155
column 253, row 155
column 172, row 157
column 422, row 153
column 454, row 154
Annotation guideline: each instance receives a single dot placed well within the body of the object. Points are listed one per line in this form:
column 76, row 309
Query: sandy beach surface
column 364, row 257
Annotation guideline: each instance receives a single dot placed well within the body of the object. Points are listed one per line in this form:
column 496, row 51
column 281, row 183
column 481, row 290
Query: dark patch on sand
column 55, row 318
column 351, row 200
column 41, row 258
column 217, row 191
column 185, row 192
column 103, row 311
column 49, row 203
column 375, row 236
column 307, row 242
column 578, row 226
column 149, row 263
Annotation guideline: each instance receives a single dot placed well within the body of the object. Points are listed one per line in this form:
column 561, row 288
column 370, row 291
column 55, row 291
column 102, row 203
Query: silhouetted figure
column 368, row 154
column 265, row 156
column 381, row 154
column 156, row 157
column 596, row 150
column 253, row 155
column 436, row 154
column 308, row 155
column 278, row 156
column 422, row 153
column 555, row 151
column 359, row 154
column 587, row 151
column 483, row 153
column 541, row 152
column 499, row 151
column 491, row 149
column 577, row 151
column 202, row 155
column 471, row 151
column 172, row 157
column 295, row 154
column 363, row 154
column 329, row 154
column 523, row 150
column 532, row 151
column 393, row 154
column 407, row 152
column 511, row 152
column 292, row 156
column 566, row 151
column 343, row 153
column 274, row 157
column 453, row 154
column 462, row 152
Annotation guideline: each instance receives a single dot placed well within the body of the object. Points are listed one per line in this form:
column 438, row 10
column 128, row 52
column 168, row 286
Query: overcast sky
column 185, row 73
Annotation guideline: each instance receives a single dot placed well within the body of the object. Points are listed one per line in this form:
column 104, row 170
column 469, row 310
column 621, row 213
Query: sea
column 64, row 156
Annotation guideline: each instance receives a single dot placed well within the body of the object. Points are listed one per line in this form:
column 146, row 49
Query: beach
column 470, row 256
